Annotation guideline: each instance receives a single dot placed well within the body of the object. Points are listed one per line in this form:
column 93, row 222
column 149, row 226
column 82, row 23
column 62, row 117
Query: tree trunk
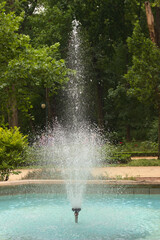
column 100, row 106
column 13, row 111
column 157, row 31
column 150, row 21
column 99, row 94
column 154, row 31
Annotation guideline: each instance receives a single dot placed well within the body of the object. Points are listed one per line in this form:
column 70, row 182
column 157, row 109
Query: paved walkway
column 128, row 172
column 111, row 172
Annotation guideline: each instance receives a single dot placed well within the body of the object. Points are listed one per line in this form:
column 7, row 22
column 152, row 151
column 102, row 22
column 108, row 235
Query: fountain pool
column 106, row 216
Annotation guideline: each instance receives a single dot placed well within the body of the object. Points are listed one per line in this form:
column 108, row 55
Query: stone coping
column 89, row 182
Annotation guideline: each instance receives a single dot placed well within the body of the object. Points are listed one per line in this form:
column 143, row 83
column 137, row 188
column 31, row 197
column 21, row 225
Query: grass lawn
column 141, row 162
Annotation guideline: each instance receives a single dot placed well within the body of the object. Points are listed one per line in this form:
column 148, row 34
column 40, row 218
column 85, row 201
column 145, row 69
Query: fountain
column 79, row 141
column 75, row 145
column 74, row 152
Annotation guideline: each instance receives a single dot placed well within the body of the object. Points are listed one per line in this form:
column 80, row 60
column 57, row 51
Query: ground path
column 111, row 172
column 124, row 172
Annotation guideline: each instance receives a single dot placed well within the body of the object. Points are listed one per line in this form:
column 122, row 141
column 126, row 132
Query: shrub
column 145, row 146
column 141, row 154
column 144, row 162
column 119, row 158
column 113, row 156
column 13, row 147
column 152, row 131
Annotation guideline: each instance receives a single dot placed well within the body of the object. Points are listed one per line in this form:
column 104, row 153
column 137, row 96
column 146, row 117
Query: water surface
column 109, row 217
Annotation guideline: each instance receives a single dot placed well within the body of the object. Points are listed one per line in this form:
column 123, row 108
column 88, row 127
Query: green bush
column 145, row 146
column 119, row 158
column 144, row 162
column 13, row 146
column 140, row 154
column 152, row 133
column 114, row 156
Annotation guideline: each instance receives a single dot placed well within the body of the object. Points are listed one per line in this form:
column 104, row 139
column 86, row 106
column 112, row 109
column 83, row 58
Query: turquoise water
column 109, row 217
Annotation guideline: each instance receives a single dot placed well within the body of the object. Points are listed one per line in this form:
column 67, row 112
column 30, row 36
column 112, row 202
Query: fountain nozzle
column 76, row 212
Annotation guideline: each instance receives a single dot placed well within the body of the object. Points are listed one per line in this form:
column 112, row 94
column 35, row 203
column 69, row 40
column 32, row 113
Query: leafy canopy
column 25, row 67
column 144, row 74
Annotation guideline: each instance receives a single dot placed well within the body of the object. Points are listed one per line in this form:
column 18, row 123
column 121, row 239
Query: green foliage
column 143, row 76
column 30, row 62
column 143, row 162
column 50, row 25
column 119, row 158
column 24, row 69
column 144, row 146
column 122, row 152
column 113, row 156
column 13, row 146
column 156, row 3
column 35, row 67
column 153, row 131
column 134, row 10
column 123, row 115
column 142, row 154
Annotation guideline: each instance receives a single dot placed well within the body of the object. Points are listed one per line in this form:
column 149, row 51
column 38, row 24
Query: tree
column 103, row 23
column 143, row 75
column 107, row 25
column 46, row 22
column 24, row 68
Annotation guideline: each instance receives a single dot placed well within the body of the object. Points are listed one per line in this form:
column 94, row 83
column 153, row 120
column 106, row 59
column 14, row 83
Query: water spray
column 76, row 213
